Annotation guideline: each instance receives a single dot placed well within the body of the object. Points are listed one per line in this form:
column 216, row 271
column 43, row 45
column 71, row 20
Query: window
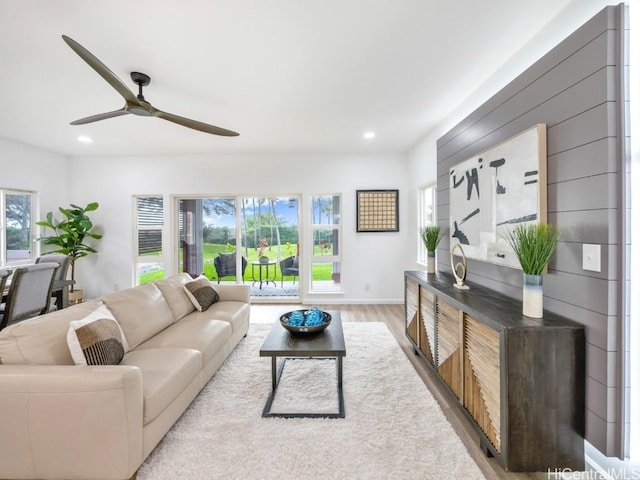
column 207, row 238
column 326, row 259
column 16, row 238
column 149, row 262
column 426, row 214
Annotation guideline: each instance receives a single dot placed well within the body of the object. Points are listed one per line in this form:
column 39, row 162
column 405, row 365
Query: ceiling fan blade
column 187, row 122
column 102, row 70
column 100, row 116
column 135, row 104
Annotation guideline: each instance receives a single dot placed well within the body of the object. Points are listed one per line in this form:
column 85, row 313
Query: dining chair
column 29, row 292
column 63, row 260
column 4, row 274
column 59, row 294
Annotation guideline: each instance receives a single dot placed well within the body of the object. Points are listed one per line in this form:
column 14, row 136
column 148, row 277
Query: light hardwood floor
column 393, row 317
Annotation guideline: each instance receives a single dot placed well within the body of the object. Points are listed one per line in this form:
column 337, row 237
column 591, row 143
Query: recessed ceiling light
column 84, row 139
column 369, row 135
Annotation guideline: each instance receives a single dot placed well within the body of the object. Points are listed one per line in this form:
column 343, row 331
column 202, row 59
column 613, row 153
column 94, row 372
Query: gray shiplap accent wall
column 576, row 90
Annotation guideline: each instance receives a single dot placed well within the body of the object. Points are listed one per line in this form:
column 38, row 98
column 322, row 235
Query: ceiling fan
column 135, row 104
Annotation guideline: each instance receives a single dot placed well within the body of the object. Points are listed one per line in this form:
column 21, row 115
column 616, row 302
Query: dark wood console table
column 520, row 381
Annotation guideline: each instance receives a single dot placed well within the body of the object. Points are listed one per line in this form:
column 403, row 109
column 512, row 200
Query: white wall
column 28, row 168
column 375, row 258
column 422, row 156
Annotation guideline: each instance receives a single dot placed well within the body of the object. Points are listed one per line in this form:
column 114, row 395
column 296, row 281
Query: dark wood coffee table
column 327, row 344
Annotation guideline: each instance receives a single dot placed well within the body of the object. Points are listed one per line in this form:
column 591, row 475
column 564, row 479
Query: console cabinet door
column 427, row 343
column 411, row 309
column 448, row 344
column 482, row 378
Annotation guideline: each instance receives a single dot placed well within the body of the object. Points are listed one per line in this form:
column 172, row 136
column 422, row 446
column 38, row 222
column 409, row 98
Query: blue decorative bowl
column 312, row 320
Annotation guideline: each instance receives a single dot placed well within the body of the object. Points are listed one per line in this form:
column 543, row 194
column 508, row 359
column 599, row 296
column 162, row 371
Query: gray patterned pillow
column 201, row 293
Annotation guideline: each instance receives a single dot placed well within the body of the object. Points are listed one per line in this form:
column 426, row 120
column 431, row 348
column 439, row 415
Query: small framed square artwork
column 377, row 211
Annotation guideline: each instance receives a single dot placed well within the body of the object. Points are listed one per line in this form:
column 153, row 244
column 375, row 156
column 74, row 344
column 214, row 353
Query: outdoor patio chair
column 289, row 267
column 225, row 265
column 29, row 293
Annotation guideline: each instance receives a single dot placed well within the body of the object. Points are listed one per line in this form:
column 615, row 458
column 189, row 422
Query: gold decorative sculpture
column 459, row 269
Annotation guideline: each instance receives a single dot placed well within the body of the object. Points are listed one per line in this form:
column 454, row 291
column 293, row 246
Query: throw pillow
column 294, row 263
column 96, row 339
column 201, row 293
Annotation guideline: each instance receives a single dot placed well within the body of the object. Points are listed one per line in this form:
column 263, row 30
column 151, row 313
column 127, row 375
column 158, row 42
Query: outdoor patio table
column 263, row 278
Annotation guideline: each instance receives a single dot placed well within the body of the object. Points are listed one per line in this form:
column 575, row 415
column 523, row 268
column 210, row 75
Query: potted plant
column 262, row 258
column 534, row 245
column 431, row 238
column 70, row 235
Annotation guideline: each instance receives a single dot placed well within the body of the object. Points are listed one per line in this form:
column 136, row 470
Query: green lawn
column 321, row 271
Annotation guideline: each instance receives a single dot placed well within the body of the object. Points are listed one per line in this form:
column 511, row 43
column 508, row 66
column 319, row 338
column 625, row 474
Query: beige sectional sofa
column 63, row 421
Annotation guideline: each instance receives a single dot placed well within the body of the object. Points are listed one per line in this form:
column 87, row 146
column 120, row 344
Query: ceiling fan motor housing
column 140, row 79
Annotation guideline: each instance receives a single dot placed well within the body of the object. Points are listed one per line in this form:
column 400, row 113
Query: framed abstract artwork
column 495, row 190
column 377, row 211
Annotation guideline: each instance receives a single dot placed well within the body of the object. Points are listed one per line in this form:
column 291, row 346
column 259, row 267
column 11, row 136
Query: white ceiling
column 288, row 75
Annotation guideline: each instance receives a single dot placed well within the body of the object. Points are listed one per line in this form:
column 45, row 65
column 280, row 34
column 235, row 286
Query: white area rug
column 393, row 429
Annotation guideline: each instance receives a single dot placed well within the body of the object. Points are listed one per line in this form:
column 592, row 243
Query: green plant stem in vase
column 430, row 238
column 534, row 245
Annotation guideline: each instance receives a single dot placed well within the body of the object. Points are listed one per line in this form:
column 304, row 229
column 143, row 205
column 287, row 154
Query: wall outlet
column 591, row 257
column 367, row 287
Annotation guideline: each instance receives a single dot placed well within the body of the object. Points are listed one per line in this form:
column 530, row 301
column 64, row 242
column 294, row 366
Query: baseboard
column 352, row 301
column 608, row 468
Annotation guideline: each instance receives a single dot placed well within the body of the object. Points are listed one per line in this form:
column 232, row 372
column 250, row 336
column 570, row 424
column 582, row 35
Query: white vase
column 431, row 262
column 532, row 296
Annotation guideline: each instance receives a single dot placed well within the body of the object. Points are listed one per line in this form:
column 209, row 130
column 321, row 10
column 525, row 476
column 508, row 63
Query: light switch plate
column 591, row 257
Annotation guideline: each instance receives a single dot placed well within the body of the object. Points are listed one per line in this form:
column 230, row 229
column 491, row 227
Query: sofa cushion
column 96, row 339
column 234, row 293
column 166, row 372
column 42, row 340
column 141, row 312
column 201, row 293
column 174, row 294
column 234, row 313
column 203, row 334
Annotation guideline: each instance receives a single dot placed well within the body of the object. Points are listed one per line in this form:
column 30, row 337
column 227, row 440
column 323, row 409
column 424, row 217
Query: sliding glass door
column 271, row 245
column 207, row 239
column 251, row 240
